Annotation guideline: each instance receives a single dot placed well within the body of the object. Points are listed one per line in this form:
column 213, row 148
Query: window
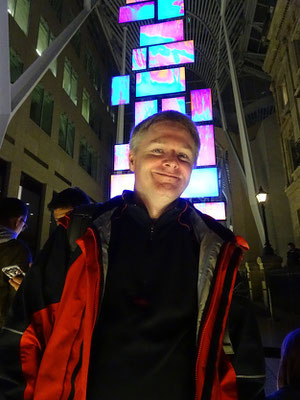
column 19, row 10
column 95, row 122
column 66, row 134
column 76, row 41
column 16, row 65
column 41, row 109
column 57, row 7
column 45, row 38
column 297, row 51
column 88, row 159
column 85, row 109
column 284, row 93
column 70, row 81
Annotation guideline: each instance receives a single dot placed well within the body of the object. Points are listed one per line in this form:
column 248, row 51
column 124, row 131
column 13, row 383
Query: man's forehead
column 164, row 140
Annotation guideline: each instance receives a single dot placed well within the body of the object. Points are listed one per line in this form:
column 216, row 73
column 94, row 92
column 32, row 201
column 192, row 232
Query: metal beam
column 246, row 151
column 22, row 88
column 5, row 103
column 253, row 71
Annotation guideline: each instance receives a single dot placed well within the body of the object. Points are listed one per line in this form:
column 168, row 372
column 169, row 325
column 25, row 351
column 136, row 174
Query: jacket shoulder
column 213, row 225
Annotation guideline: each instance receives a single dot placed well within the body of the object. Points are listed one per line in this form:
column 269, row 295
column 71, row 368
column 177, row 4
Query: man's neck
column 155, row 208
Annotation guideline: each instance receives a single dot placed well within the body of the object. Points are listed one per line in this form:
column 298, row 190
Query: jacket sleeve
column 30, row 319
column 247, row 358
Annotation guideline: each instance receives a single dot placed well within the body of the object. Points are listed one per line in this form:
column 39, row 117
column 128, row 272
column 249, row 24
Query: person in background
column 288, row 380
column 293, row 258
column 66, row 201
column 13, row 252
column 145, row 302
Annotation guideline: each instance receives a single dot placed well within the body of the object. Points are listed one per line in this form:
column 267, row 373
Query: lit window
column 85, row 109
column 66, row 134
column 285, row 98
column 19, row 10
column 45, row 38
column 70, row 81
column 95, row 122
column 16, row 65
column 41, row 109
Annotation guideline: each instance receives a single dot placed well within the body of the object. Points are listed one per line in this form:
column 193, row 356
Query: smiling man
column 138, row 298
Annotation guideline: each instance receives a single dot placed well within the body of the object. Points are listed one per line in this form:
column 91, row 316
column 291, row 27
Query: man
column 293, row 258
column 139, row 305
column 13, row 216
column 66, row 200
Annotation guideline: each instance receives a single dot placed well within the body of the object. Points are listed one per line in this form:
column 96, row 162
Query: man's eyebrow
column 162, row 141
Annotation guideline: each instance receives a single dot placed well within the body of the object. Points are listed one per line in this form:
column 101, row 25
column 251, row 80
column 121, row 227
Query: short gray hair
column 173, row 116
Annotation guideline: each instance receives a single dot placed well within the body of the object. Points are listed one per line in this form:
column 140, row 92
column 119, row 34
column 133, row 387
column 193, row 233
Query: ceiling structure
column 247, row 23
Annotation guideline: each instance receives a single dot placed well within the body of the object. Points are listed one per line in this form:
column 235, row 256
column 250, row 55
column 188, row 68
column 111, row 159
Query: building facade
column 64, row 132
column 282, row 62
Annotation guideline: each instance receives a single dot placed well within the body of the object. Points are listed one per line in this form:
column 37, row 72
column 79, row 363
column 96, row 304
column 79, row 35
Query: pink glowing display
column 165, row 32
column 201, row 105
column 170, row 8
column 134, row 1
column 136, row 12
column 207, row 154
column 144, row 109
column 119, row 182
column 139, row 59
column 162, row 81
column 121, row 161
column 174, row 103
column 214, row 209
column 171, row 54
column 120, row 90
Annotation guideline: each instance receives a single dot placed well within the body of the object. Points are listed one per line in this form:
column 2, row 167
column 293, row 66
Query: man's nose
column 171, row 160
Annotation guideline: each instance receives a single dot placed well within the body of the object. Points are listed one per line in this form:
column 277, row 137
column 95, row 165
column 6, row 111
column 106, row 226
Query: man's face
column 20, row 224
column 60, row 212
column 163, row 162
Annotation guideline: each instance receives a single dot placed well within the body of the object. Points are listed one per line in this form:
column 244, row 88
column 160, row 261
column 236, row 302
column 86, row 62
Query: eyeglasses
column 25, row 226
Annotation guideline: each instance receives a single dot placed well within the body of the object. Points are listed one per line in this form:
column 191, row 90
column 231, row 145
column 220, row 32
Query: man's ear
column 131, row 160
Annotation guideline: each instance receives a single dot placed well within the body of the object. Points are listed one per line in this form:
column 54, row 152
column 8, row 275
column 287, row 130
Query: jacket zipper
column 151, row 231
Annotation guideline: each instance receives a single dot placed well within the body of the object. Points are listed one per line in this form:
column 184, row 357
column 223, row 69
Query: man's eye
column 183, row 156
column 157, row 151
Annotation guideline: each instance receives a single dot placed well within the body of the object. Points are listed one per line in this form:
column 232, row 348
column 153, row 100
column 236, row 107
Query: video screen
column 134, row 1
column 136, row 12
column 139, row 59
column 144, row 109
column 171, row 54
column 213, row 209
column 164, row 32
column 203, row 183
column 118, row 183
column 160, row 82
column 207, row 153
column 174, row 103
column 201, row 105
column 170, row 8
column 120, row 90
column 121, row 154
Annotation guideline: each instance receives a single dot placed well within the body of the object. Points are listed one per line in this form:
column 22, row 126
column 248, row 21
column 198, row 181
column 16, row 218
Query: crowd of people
column 136, row 298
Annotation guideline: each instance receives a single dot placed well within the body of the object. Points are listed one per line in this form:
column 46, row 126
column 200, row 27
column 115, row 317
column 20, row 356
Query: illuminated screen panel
column 201, row 105
column 170, row 8
column 118, row 183
column 136, row 12
column 215, row 210
column 121, row 155
column 144, row 109
column 174, row 103
column 160, row 82
column 139, row 59
column 171, row 54
column 134, row 1
column 165, row 32
column 203, row 183
column 207, row 154
column 120, row 90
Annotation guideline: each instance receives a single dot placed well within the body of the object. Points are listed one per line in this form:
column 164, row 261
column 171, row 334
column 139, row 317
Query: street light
column 262, row 198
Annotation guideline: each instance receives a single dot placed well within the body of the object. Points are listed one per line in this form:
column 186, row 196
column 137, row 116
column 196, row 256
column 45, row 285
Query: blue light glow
column 203, row 183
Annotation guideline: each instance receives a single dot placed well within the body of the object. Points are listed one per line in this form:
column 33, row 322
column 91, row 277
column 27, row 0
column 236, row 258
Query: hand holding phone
column 12, row 270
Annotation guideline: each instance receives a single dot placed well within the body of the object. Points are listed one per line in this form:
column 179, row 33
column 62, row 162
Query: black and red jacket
column 46, row 341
